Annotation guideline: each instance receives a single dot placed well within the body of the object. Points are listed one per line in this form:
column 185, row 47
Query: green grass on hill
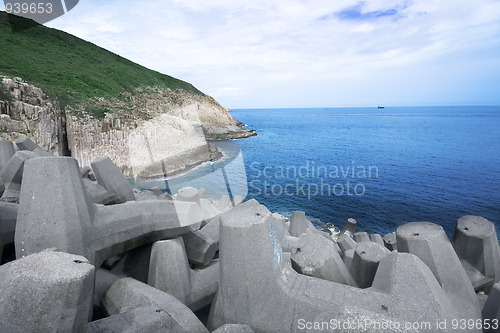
column 68, row 68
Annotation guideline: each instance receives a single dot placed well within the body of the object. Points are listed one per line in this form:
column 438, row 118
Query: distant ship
column 380, row 107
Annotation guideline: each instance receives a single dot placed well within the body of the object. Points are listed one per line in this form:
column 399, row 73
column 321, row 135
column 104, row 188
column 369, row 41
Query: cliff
column 75, row 98
column 147, row 133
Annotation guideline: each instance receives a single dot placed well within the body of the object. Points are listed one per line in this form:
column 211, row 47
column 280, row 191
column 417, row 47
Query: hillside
column 71, row 69
column 75, row 98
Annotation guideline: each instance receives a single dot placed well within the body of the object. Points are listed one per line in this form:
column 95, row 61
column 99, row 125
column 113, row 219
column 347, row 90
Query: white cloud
column 271, row 51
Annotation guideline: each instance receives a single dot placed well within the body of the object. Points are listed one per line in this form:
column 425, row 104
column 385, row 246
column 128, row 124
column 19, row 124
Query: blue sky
column 316, row 53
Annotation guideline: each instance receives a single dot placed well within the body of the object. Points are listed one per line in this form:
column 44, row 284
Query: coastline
column 186, row 162
column 220, row 155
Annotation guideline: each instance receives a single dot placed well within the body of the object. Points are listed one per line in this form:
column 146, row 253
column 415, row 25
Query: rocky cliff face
column 147, row 133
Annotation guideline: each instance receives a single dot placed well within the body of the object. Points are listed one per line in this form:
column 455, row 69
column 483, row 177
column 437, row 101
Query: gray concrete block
column 144, row 319
column 110, row 177
column 337, row 248
column 145, row 195
column 200, row 248
column 87, row 173
column 318, row 257
column 211, row 229
column 298, row 224
column 481, row 297
column 237, row 199
column 156, row 191
column 75, row 225
column 376, row 238
column 259, row 288
column 406, row 277
column 208, row 209
column 365, row 262
column 390, row 241
column 429, row 242
column 47, row 292
column 9, row 328
column 475, row 242
column 189, row 194
column 361, row 236
column 348, row 256
column 289, row 243
column 234, row 328
column 25, row 143
column 346, row 242
column 135, row 263
column 166, row 196
column 349, row 226
column 224, row 203
column 6, row 152
column 12, row 175
column 104, row 279
column 8, row 217
column 42, row 153
column 127, row 294
column 169, row 271
column 491, row 309
column 478, row 280
column 97, row 193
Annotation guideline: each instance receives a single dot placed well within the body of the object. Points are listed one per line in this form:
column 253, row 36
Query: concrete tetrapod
column 491, row 310
column 8, row 217
column 12, row 175
column 6, row 152
column 127, row 294
column 234, row 328
column 47, row 292
column 365, row 262
column 298, row 224
column 390, row 241
column 27, row 144
column 97, row 193
column 429, row 242
column 110, row 177
column 144, row 319
column 349, row 227
column 200, row 248
column 169, row 271
column 318, row 257
column 259, row 288
column 346, row 242
column 361, row 236
column 55, row 211
column 376, row 238
column 476, row 244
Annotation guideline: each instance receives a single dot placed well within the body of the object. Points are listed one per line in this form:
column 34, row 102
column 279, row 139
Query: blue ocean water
column 383, row 167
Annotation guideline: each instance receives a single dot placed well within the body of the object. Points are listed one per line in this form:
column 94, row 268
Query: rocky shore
column 148, row 133
column 84, row 252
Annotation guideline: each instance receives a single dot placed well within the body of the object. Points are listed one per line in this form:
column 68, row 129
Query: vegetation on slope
column 68, row 68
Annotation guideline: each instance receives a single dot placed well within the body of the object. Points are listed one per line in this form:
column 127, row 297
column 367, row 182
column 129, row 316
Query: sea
column 382, row 167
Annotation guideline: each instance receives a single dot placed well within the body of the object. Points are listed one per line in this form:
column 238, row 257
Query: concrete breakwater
column 84, row 252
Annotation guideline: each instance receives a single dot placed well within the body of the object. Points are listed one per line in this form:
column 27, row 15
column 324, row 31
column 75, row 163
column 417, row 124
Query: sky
column 307, row 53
